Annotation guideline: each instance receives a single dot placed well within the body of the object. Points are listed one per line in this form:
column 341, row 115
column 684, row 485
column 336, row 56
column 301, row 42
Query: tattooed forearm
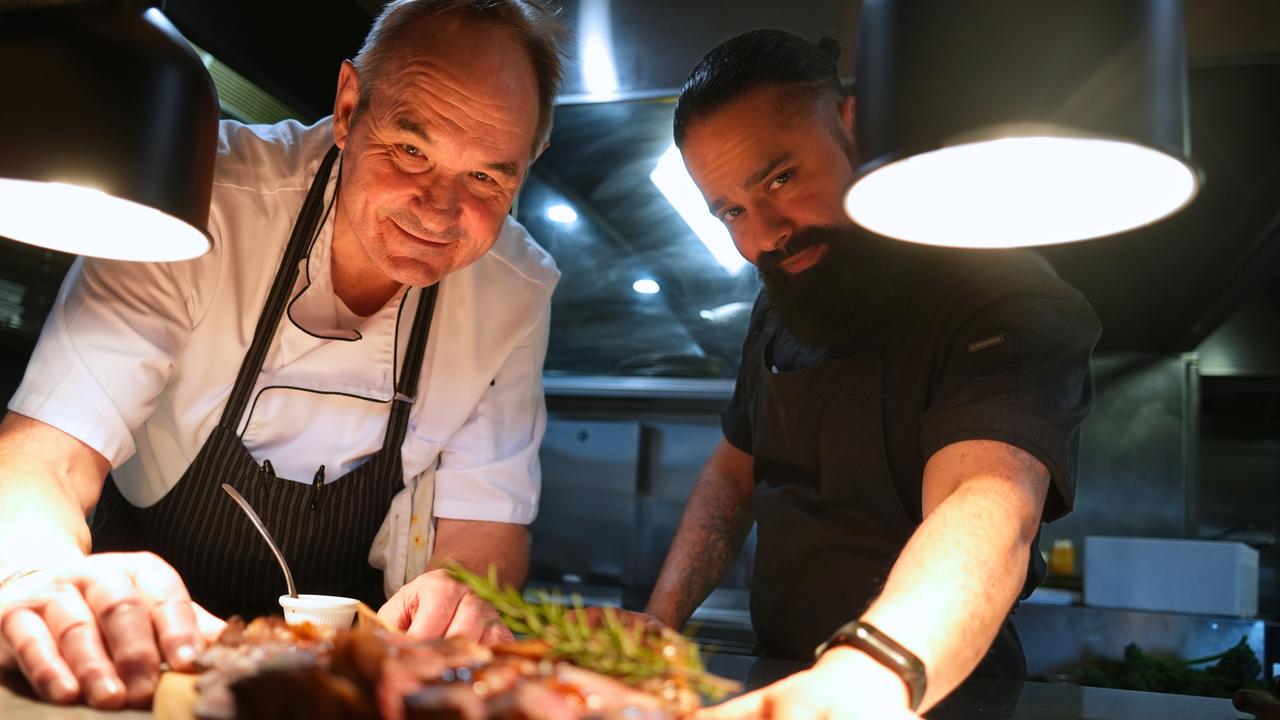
column 715, row 523
column 720, row 529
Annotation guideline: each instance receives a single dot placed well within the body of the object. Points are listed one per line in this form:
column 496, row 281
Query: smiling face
column 431, row 166
column 771, row 164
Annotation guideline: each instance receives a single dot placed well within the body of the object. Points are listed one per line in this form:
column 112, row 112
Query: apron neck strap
column 407, row 383
column 305, row 228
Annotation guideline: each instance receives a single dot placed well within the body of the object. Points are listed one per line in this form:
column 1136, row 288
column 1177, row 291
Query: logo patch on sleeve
column 986, row 343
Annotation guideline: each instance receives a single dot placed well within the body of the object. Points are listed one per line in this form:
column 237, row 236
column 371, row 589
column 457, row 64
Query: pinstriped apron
column 324, row 529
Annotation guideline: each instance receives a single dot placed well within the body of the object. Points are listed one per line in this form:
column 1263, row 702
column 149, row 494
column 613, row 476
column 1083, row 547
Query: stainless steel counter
column 978, row 700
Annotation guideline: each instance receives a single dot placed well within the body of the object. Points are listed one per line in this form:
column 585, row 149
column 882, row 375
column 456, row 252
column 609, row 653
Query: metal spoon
column 271, row 543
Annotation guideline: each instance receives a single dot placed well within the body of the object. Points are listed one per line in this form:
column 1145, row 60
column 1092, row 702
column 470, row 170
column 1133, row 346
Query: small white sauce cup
column 328, row 611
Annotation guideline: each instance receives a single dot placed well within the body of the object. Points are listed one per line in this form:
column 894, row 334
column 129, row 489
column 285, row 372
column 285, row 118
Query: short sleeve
column 489, row 470
column 1013, row 365
column 108, row 346
column 735, row 416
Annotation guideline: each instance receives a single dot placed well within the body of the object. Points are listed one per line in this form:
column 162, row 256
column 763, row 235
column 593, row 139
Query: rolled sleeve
column 489, row 470
column 1016, row 370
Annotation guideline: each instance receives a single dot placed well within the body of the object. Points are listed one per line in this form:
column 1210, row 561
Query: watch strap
column 884, row 650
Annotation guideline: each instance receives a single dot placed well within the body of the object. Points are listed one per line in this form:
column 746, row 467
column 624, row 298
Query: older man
column 359, row 355
column 903, row 419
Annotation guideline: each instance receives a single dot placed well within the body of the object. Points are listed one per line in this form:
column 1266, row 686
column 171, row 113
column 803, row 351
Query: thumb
column 395, row 612
column 209, row 625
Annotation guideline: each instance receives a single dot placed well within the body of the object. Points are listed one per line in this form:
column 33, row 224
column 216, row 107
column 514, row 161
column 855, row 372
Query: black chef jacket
column 978, row 345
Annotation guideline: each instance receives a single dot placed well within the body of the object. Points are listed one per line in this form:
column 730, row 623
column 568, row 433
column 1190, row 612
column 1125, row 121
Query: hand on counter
column 595, row 616
column 844, row 685
column 435, row 605
column 97, row 630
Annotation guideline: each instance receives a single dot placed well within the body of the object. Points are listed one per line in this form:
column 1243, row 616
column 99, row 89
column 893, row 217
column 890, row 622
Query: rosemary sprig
column 634, row 653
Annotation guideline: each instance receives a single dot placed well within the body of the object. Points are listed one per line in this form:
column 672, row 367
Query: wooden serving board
column 175, row 697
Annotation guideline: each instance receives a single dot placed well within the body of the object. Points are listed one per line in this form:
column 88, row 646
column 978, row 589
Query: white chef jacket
column 137, row 360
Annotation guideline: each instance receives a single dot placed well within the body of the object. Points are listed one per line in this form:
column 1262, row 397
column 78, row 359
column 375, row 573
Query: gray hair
column 532, row 20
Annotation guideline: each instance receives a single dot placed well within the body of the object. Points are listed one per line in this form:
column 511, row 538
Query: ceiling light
column 561, row 213
column 724, row 313
column 598, row 72
column 111, row 152
column 1000, row 123
column 645, row 286
column 990, row 194
column 673, row 181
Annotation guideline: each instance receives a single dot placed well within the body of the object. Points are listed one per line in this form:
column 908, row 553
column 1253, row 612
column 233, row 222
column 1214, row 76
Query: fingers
column 99, row 629
column 177, row 634
column 472, row 619
column 173, row 615
column 394, row 611
column 799, row 706
column 593, row 616
column 71, row 623
column 497, row 632
column 434, row 606
column 36, row 653
column 596, row 616
column 124, row 619
column 815, row 694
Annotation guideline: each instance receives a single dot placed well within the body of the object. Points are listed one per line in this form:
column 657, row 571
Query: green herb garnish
column 634, row 653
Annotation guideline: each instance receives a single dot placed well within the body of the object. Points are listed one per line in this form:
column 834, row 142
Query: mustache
column 410, row 223
column 855, row 291
column 770, row 262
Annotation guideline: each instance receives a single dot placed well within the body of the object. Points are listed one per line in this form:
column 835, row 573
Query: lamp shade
column 999, row 123
column 109, row 132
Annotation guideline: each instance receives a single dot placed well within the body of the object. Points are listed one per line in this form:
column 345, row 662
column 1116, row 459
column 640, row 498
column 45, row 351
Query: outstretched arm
column 49, row 481
column 89, row 628
column 946, row 597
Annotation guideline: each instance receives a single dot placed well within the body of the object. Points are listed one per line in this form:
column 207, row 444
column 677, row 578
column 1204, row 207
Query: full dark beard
column 854, row 290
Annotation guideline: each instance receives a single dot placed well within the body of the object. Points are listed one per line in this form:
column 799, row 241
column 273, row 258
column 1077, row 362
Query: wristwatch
column 884, row 650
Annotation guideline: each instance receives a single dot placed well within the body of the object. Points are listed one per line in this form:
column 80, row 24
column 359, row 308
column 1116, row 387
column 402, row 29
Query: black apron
column 324, row 528
column 829, row 520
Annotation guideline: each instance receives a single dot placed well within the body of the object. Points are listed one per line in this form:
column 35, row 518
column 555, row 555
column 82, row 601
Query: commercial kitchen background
column 1184, row 440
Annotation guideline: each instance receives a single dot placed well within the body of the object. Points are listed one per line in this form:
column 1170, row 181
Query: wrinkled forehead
column 464, row 66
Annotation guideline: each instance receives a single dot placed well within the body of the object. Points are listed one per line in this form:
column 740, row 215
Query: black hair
column 751, row 60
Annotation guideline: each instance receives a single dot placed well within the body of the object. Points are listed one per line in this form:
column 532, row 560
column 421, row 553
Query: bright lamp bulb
column 645, row 286
column 84, row 221
column 1021, row 191
column 562, row 214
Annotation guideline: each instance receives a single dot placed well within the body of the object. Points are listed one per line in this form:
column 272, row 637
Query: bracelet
column 884, row 650
column 16, row 576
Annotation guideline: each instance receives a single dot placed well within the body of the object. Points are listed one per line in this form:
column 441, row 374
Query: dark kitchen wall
column 29, row 281
column 1240, row 435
